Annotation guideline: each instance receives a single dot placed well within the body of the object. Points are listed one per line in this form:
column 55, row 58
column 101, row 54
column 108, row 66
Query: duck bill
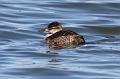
column 43, row 30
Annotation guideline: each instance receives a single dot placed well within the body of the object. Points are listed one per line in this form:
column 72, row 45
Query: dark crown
column 54, row 24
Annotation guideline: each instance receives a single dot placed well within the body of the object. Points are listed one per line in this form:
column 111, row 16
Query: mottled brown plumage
column 59, row 38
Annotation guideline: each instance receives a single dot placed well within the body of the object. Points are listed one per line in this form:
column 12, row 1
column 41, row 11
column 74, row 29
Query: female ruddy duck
column 59, row 38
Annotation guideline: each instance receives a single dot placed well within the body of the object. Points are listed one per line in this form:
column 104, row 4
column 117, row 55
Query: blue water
column 23, row 52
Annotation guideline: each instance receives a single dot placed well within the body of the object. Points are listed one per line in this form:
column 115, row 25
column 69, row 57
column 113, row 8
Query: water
column 23, row 52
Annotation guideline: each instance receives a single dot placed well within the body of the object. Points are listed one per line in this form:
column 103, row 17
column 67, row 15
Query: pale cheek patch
column 54, row 31
column 48, row 35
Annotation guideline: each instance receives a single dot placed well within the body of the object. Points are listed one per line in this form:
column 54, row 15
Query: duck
column 59, row 38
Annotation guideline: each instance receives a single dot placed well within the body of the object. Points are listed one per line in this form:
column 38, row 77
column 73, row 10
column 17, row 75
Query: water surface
column 23, row 52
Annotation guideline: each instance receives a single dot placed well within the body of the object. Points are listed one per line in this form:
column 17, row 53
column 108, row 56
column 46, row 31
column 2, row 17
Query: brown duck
column 58, row 38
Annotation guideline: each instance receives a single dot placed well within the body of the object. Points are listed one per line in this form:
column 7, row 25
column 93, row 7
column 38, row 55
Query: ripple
column 106, row 29
column 23, row 51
